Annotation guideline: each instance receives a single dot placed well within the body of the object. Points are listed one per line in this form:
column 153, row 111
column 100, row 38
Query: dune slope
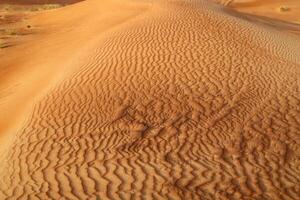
column 178, row 100
column 284, row 10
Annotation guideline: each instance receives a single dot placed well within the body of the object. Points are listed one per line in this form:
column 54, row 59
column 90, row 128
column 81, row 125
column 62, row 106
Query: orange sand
column 152, row 99
column 286, row 10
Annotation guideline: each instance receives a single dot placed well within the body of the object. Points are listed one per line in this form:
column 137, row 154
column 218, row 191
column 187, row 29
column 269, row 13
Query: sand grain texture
column 178, row 100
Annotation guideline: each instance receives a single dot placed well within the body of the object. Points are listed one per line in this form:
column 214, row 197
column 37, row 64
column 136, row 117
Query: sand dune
column 30, row 2
column 128, row 99
column 286, row 10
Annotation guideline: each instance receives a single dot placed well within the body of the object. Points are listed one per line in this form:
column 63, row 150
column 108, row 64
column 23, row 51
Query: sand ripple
column 181, row 102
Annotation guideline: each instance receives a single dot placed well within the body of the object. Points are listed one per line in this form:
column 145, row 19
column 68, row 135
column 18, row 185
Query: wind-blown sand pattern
column 168, row 100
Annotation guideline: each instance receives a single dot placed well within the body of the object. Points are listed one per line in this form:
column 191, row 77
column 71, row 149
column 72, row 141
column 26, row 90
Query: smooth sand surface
column 286, row 10
column 30, row 2
column 149, row 99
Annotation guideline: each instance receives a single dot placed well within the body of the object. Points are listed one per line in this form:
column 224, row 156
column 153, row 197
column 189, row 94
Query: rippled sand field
column 149, row 99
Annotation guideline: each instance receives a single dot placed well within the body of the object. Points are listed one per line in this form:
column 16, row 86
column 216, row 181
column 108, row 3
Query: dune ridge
column 283, row 10
column 180, row 101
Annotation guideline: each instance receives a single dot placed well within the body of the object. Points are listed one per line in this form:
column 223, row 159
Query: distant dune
column 149, row 99
column 28, row 2
column 285, row 10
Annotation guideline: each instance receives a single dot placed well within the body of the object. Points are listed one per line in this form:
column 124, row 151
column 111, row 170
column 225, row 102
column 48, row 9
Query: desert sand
column 148, row 99
column 285, row 10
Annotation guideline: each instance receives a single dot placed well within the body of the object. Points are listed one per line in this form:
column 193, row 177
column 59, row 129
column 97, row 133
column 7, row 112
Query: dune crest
column 174, row 100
